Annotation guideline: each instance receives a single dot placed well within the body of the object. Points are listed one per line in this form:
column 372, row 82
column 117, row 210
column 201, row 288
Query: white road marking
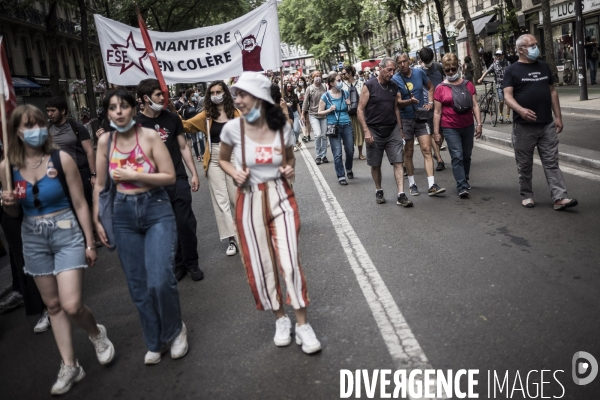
column 397, row 335
column 567, row 170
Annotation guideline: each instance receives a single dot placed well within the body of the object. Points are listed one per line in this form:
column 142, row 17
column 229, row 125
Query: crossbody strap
column 337, row 116
column 409, row 94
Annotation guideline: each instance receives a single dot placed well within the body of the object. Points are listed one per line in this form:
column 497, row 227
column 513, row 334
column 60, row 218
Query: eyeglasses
column 450, row 70
column 36, row 191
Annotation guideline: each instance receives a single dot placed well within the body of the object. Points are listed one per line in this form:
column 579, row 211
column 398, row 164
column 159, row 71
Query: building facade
column 24, row 29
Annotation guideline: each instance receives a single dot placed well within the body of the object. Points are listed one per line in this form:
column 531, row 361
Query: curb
column 565, row 157
column 577, row 110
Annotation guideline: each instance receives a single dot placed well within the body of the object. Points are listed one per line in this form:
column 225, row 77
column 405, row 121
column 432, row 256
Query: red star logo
column 132, row 52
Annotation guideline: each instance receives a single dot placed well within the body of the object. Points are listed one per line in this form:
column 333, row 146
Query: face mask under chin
column 153, row 105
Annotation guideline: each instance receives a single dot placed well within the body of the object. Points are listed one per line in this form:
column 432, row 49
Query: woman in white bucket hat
column 266, row 211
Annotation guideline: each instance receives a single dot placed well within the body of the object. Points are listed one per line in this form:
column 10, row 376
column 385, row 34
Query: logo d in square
column 584, row 363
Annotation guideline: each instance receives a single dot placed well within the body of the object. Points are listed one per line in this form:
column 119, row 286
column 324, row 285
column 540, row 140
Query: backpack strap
column 440, row 68
column 243, row 139
column 62, row 178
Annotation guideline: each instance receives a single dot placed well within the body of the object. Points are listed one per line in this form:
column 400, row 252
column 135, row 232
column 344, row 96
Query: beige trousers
column 223, row 192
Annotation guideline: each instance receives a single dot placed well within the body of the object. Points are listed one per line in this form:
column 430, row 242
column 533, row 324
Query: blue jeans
column 346, row 135
column 460, row 147
column 319, row 127
column 593, row 67
column 146, row 233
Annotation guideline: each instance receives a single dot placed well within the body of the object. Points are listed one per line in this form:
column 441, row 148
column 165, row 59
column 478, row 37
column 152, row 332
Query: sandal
column 528, row 203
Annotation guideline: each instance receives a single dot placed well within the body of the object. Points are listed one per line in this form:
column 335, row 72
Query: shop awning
column 22, row 83
column 478, row 25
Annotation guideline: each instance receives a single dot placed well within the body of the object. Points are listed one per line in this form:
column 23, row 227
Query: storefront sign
column 567, row 9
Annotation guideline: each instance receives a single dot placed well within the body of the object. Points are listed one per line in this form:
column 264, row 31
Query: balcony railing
column 33, row 16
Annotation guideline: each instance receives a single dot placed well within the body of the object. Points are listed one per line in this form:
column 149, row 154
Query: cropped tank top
column 135, row 159
column 46, row 196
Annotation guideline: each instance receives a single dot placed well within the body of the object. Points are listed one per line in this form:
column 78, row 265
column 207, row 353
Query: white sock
column 400, row 193
column 411, row 180
column 430, row 180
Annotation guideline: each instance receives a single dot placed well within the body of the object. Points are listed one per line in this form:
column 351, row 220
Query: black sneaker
column 435, row 189
column 343, row 182
column 405, row 173
column 404, row 201
column 379, row 197
column 350, row 175
column 196, row 274
column 413, row 190
column 468, row 186
column 325, row 160
column 319, row 161
column 14, row 300
column 463, row 193
column 179, row 273
column 305, row 139
column 441, row 166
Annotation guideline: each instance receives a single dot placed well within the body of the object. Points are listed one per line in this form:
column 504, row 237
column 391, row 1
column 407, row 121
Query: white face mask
column 217, row 99
column 153, row 105
column 452, row 78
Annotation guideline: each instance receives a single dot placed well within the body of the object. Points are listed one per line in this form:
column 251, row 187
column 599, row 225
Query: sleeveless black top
column 381, row 106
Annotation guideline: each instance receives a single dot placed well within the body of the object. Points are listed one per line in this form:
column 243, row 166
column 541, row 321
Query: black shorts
column 392, row 145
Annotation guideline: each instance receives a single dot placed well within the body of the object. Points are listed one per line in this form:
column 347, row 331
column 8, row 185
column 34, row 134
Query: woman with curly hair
column 218, row 109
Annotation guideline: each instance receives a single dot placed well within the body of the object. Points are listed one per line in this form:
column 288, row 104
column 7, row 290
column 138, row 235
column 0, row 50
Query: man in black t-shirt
column 529, row 91
column 169, row 127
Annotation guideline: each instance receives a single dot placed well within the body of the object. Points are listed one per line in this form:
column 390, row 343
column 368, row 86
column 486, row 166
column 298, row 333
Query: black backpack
column 462, row 99
column 354, row 97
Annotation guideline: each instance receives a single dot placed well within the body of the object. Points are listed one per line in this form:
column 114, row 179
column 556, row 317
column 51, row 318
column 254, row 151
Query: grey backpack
column 462, row 99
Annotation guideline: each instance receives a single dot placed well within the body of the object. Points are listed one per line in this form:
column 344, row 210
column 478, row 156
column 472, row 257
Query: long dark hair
column 211, row 109
column 276, row 119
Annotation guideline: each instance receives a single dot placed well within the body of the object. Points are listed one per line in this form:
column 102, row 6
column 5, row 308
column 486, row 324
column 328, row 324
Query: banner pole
column 281, row 80
column 5, row 139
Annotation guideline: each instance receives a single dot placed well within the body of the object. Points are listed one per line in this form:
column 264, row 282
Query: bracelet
column 90, row 248
column 93, row 174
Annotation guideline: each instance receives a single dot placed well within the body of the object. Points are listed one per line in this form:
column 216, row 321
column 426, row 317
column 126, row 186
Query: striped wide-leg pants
column 268, row 225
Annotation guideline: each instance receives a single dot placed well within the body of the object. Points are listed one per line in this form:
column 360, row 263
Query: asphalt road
column 483, row 283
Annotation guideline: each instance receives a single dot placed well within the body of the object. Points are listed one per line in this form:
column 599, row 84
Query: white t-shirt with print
column 263, row 160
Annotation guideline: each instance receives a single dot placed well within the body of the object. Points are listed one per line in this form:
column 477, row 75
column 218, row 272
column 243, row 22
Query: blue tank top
column 51, row 196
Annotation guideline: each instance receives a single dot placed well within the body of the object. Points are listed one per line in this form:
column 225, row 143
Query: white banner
column 248, row 43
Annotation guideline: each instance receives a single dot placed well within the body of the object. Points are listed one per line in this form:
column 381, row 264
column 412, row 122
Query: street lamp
column 422, row 28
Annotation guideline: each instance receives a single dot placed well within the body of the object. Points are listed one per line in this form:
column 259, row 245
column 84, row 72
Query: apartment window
column 42, row 57
column 28, row 58
column 65, row 63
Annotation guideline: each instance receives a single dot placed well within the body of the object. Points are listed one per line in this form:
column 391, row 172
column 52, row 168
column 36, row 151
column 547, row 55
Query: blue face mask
column 252, row 115
column 533, row 53
column 339, row 85
column 122, row 128
column 35, row 137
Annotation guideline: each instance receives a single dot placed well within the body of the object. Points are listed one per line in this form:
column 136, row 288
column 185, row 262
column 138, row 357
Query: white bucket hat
column 256, row 84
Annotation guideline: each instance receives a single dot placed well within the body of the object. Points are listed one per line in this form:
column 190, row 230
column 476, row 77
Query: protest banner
column 248, row 43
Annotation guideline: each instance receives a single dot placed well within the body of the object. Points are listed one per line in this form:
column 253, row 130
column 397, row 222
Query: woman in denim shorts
column 143, row 222
column 54, row 248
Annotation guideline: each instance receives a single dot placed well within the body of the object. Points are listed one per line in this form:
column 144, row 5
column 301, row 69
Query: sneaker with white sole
column 305, row 336
column 67, row 376
column 43, row 323
column 179, row 347
column 231, row 249
column 283, row 329
column 153, row 357
column 105, row 351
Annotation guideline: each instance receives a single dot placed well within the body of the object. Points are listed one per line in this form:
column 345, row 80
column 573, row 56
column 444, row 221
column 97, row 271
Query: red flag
column 7, row 92
column 152, row 56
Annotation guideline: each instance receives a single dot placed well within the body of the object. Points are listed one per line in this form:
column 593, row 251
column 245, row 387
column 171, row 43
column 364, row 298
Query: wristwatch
column 93, row 174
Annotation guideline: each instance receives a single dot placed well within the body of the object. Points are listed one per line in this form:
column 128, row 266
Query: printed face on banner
column 204, row 54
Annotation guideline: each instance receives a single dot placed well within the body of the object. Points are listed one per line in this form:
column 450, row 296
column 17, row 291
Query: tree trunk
column 440, row 15
column 52, row 47
column 549, row 54
column 402, row 30
column 89, row 84
column 464, row 8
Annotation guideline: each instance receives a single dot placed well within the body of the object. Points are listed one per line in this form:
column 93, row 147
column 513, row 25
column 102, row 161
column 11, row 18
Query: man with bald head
column 379, row 116
column 529, row 91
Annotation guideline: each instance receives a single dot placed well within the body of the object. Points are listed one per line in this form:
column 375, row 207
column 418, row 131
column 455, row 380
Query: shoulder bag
column 421, row 113
column 332, row 129
column 106, row 201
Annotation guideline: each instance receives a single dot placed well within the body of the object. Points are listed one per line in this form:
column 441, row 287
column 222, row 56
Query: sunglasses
column 36, row 191
column 450, row 70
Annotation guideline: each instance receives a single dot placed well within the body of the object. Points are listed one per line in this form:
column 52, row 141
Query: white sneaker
column 416, row 142
column 43, row 323
column 105, row 351
column 283, row 329
column 153, row 357
column 67, row 376
column 232, row 249
column 306, row 337
column 179, row 348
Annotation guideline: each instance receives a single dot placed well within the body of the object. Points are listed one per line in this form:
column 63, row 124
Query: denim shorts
column 500, row 92
column 52, row 245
